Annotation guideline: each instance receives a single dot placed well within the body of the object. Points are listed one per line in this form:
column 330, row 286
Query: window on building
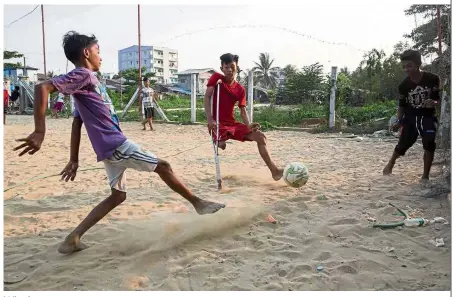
column 146, row 61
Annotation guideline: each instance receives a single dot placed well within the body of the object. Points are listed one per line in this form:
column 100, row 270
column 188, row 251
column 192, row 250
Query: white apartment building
column 159, row 60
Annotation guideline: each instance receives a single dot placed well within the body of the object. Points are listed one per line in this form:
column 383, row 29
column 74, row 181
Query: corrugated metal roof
column 195, row 71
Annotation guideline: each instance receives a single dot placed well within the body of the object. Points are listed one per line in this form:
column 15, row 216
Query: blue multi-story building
column 160, row 60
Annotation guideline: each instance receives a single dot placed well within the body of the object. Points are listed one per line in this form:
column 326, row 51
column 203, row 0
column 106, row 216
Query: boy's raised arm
column 33, row 142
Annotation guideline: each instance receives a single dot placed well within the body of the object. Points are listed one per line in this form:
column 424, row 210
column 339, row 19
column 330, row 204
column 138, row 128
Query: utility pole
column 25, row 67
column 139, row 64
column 43, row 41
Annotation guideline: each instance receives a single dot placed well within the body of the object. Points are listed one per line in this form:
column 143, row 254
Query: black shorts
column 425, row 127
column 149, row 112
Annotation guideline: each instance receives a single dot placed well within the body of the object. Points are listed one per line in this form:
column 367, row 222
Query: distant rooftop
column 195, row 71
column 135, row 47
column 20, row 67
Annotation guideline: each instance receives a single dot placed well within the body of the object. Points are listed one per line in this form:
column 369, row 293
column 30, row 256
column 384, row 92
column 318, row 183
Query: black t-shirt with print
column 413, row 95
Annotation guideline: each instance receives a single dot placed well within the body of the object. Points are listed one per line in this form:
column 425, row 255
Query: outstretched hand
column 31, row 144
column 254, row 126
column 430, row 103
column 70, row 171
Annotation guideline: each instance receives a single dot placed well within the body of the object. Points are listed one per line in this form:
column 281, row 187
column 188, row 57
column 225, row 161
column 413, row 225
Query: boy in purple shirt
column 95, row 109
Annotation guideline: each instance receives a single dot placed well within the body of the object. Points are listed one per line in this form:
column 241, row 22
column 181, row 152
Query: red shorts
column 235, row 131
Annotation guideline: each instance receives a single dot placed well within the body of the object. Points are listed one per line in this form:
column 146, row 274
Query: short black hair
column 412, row 55
column 145, row 79
column 228, row 58
column 17, row 88
column 74, row 44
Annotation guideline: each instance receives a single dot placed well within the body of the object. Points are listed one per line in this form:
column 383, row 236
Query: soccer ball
column 295, row 174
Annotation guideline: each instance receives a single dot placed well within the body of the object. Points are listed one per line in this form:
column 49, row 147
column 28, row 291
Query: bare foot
column 424, row 179
column 207, row 207
column 388, row 169
column 222, row 145
column 70, row 245
column 278, row 174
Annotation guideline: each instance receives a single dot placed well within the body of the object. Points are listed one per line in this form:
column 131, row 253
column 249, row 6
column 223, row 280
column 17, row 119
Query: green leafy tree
column 425, row 36
column 8, row 55
column 307, row 85
column 131, row 76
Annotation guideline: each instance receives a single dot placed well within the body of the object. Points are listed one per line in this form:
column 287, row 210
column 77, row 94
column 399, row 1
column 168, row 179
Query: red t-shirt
column 229, row 95
column 5, row 97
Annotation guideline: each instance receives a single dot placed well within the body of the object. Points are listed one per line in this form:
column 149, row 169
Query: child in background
column 58, row 106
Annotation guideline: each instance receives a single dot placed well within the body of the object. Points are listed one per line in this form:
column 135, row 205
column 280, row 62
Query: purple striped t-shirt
column 94, row 108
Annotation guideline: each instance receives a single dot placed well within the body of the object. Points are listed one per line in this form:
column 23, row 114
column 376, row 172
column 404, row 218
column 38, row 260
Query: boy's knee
column 118, row 197
column 162, row 167
column 260, row 138
column 401, row 149
column 429, row 146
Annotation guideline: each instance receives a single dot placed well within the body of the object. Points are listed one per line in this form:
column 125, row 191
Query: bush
column 355, row 115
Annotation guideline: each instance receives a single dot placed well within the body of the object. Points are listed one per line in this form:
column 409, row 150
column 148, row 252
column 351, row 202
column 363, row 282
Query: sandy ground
column 155, row 240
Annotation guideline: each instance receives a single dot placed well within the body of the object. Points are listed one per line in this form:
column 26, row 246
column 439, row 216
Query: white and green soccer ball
column 295, row 174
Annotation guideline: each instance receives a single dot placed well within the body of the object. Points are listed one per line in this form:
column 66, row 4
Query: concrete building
column 14, row 73
column 159, row 60
column 108, row 75
column 202, row 76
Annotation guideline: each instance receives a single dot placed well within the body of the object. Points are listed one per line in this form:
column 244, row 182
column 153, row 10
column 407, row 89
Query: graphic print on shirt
column 101, row 90
column 417, row 96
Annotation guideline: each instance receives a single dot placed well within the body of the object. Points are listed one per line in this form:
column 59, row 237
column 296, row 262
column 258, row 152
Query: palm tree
column 242, row 76
column 265, row 74
column 289, row 69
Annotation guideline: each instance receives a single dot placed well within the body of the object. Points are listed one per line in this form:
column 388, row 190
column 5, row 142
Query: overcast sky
column 360, row 27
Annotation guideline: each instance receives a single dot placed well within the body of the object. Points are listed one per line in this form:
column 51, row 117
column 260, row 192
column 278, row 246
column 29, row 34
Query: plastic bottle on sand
column 415, row 222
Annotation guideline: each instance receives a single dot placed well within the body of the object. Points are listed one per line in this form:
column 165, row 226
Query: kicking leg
column 72, row 242
column 389, row 167
column 260, row 139
column 407, row 139
column 201, row 206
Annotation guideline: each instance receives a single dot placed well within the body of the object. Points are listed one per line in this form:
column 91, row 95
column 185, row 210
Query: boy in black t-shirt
column 419, row 95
